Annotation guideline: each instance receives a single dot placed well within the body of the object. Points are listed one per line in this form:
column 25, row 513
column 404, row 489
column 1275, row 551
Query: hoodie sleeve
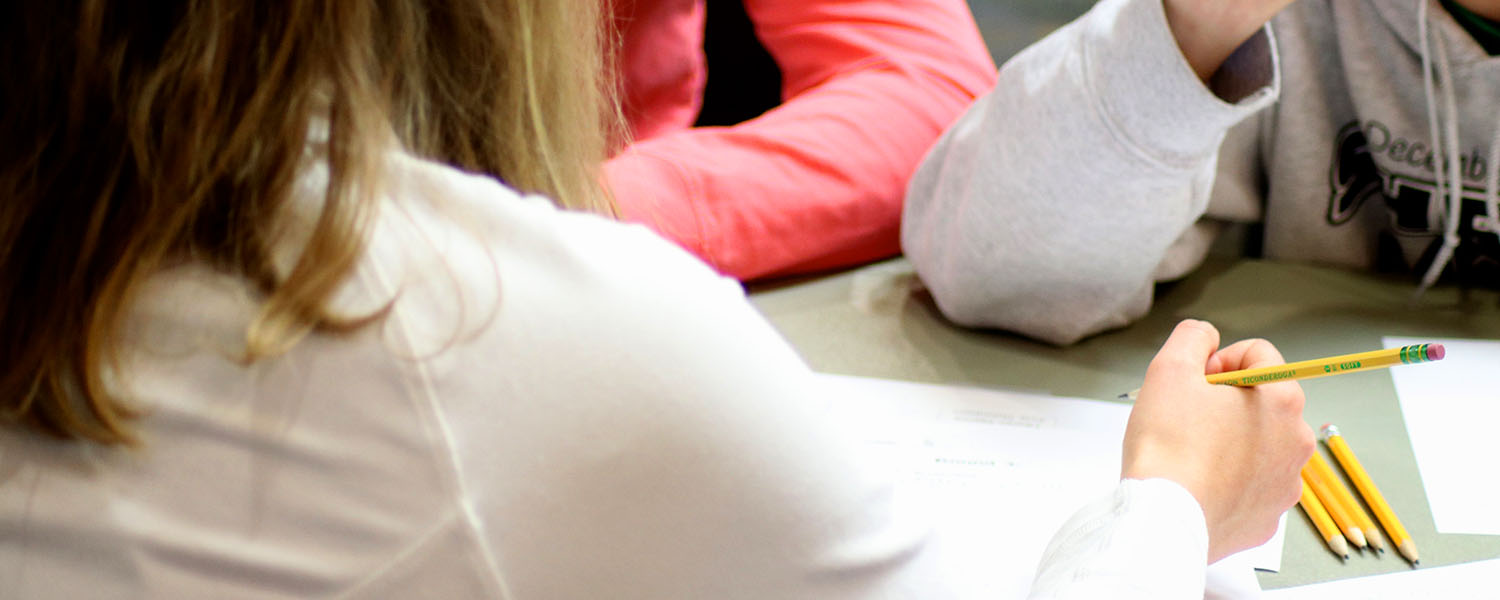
column 1055, row 203
column 816, row 183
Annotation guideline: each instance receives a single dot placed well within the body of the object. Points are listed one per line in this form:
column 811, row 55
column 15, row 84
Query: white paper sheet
column 1467, row 580
column 1004, row 470
column 1451, row 407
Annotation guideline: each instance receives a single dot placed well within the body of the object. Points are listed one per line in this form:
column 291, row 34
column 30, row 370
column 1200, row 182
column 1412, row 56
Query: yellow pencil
column 1346, row 500
column 1320, row 367
column 1341, row 517
column 1333, row 365
column 1323, row 522
column 1366, row 486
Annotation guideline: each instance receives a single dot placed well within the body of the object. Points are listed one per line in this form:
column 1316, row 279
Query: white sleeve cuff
column 1146, row 540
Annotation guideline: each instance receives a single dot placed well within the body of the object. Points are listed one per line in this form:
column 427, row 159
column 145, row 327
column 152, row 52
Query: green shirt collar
column 1483, row 30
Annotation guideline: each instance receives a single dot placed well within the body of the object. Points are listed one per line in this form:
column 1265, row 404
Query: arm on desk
column 817, row 182
column 1061, row 196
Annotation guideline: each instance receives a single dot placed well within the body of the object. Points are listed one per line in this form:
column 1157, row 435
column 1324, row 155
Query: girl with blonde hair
column 286, row 314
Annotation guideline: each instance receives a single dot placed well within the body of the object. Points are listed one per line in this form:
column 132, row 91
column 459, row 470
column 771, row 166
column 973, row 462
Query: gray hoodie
column 1100, row 165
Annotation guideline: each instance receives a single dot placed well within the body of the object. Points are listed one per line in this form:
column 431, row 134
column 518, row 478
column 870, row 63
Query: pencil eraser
column 1435, row 352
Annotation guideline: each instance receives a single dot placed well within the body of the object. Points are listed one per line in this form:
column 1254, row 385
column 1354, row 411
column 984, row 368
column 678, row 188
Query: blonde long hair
column 138, row 134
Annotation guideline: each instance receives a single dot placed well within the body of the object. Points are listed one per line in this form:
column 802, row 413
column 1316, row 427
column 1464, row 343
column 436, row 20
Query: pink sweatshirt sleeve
column 817, row 182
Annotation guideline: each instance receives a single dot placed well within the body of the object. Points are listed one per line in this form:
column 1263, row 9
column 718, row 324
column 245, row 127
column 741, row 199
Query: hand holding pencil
column 1248, row 428
column 1237, row 451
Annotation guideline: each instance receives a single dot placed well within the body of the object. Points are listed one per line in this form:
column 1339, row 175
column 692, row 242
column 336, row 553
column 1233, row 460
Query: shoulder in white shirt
column 556, row 406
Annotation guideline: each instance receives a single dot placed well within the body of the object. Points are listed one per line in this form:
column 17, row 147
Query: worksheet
column 1451, row 407
column 1466, row 580
column 1002, row 470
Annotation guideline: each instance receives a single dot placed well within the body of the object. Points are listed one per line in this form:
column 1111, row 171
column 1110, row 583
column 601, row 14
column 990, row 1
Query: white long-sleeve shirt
column 556, row 406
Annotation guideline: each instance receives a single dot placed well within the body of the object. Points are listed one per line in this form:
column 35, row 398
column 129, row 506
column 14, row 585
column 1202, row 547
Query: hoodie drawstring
column 1451, row 189
column 1437, row 126
column 1492, row 185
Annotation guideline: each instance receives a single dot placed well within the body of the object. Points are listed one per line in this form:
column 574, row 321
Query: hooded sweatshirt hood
column 1401, row 18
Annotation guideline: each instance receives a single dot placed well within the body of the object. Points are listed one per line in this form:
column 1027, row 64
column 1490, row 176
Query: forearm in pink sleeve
column 817, row 182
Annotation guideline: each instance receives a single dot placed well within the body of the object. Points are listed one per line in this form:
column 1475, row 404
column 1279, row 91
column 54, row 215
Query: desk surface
column 877, row 322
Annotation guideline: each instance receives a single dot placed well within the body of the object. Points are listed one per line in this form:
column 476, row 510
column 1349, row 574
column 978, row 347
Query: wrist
column 1208, row 31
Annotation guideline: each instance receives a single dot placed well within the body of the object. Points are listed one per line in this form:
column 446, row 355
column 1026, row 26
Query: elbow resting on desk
column 1056, row 312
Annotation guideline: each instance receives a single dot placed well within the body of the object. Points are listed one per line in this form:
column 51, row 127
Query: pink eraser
column 1435, row 352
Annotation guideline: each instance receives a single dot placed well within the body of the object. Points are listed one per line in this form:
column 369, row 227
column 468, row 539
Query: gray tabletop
column 876, row 321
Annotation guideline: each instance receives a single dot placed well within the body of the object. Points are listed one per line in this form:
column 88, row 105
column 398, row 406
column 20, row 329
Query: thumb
column 1189, row 347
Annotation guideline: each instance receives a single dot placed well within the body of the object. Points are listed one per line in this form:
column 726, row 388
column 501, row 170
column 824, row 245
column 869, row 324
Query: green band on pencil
column 1421, row 353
